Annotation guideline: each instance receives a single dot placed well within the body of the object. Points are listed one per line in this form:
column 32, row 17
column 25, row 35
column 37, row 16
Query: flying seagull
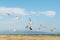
column 53, row 29
column 8, row 14
column 30, row 28
column 17, row 18
column 14, row 29
column 30, row 21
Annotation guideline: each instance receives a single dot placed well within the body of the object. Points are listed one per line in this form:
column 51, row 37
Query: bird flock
column 29, row 26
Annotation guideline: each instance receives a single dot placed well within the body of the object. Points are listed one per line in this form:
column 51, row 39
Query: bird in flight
column 8, row 14
column 17, row 18
column 30, row 28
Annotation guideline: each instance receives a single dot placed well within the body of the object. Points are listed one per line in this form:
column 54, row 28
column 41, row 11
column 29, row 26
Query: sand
column 28, row 37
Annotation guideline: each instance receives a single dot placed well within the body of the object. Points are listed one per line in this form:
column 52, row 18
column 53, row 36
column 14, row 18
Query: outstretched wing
column 27, row 26
column 30, row 28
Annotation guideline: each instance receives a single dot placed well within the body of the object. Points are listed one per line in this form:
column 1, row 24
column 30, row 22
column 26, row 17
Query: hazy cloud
column 48, row 13
column 21, row 11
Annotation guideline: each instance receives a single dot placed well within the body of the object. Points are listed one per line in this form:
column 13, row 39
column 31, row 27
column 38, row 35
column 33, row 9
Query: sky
column 45, row 12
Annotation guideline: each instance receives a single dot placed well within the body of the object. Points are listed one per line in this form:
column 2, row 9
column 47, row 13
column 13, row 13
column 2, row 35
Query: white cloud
column 48, row 13
column 21, row 11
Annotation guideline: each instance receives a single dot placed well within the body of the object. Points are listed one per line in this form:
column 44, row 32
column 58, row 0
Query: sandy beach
column 27, row 37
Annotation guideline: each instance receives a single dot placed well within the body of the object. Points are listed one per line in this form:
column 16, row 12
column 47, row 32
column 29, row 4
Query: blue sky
column 45, row 12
